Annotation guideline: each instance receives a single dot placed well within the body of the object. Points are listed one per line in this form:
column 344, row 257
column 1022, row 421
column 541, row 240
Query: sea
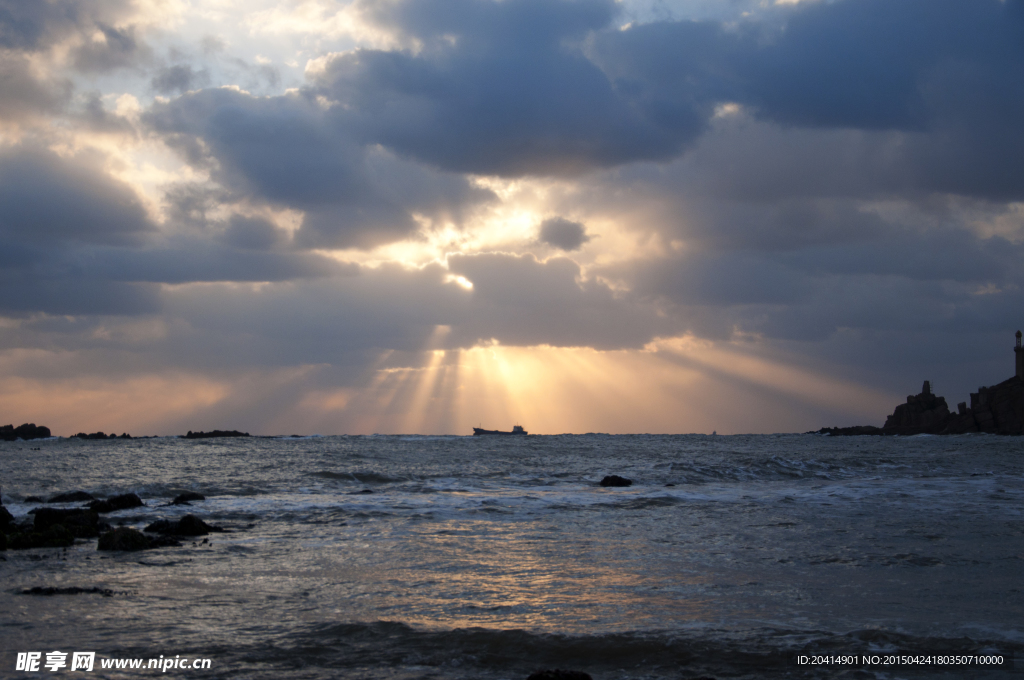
column 493, row 558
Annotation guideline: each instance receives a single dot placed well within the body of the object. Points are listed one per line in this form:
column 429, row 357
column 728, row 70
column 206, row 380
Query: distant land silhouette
column 215, row 433
column 998, row 409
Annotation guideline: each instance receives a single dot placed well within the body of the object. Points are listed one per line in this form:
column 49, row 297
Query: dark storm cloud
column 118, row 49
column 28, row 28
column 944, row 279
column 252, row 233
column 498, row 88
column 179, row 78
column 96, row 117
column 31, row 25
column 283, row 150
column 74, row 240
column 35, row 26
column 562, row 233
column 74, row 296
column 527, row 87
column 44, row 198
column 948, row 74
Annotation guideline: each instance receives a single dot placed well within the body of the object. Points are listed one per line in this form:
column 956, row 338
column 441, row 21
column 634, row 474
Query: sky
column 420, row 216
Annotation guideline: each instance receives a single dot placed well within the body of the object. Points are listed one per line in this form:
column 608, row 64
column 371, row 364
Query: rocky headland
column 998, row 409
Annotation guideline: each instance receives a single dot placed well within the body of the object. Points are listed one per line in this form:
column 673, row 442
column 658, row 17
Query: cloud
column 562, row 233
column 24, row 93
column 818, row 179
column 108, row 49
column 45, row 198
column 284, row 151
column 946, row 76
column 497, row 88
column 179, row 78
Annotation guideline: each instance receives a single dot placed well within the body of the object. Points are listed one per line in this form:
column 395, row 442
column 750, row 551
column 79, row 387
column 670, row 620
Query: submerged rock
column 189, row 525
column 559, row 674
column 71, row 590
column 615, row 480
column 854, row 431
column 55, row 536
column 123, row 538
column 79, row 522
column 114, row 503
column 72, row 497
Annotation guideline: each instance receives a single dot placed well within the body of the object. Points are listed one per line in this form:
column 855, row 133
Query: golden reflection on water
column 465, row 573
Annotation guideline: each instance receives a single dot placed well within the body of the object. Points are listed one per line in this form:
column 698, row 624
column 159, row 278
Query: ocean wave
column 462, row 653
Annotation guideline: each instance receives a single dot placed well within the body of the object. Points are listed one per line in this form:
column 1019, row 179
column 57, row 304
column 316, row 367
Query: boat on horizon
column 518, row 429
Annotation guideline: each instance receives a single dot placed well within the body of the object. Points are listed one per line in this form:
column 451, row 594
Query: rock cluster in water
column 60, row 527
column 215, row 433
column 100, row 435
column 9, row 433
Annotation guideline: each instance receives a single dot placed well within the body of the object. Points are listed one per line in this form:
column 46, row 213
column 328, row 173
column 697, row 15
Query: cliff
column 923, row 413
column 998, row 409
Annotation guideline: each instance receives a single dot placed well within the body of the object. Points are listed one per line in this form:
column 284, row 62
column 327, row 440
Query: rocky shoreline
column 998, row 409
column 45, row 527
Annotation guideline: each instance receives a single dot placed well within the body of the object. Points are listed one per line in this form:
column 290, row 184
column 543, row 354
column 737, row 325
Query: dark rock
column 125, row 435
column 189, row 525
column 79, row 522
column 998, row 409
column 6, row 518
column 123, row 538
column 215, row 433
column 559, row 674
column 27, row 431
column 34, row 499
column 122, row 502
column 923, row 413
column 615, row 480
column 184, row 498
column 94, row 435
column 55, row 536
column 72, row 590
column 850, row 431
column 72, row 497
